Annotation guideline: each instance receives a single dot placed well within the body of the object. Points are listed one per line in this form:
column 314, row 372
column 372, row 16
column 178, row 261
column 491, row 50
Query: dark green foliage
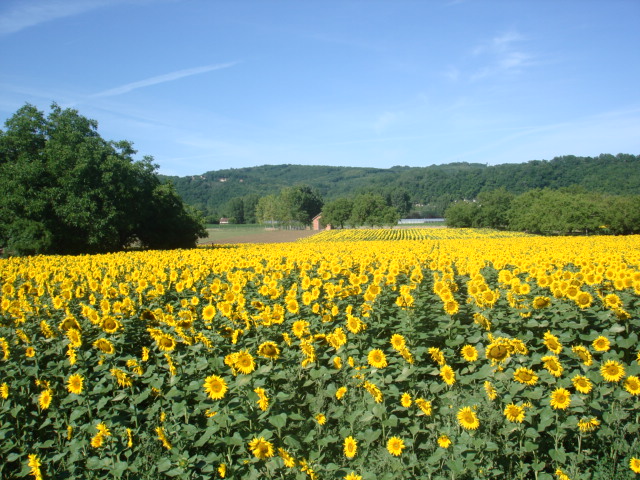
column 292, row 207
column 549, row 212
column 63, row 189
column 433, row 187
column 371, row 209
column 461, row 214
column 337, row 213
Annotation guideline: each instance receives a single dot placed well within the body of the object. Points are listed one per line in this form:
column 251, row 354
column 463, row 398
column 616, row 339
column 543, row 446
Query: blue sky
column 204, row 85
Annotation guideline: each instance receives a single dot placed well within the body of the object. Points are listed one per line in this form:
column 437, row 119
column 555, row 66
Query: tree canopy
column 549, row 212
column 66, row 190
column 293, row 206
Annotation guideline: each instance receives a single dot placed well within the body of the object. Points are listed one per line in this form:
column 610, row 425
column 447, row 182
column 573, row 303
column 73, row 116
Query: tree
column 300, row 204
column 64, row 189
column 493, row 207
column 461, row 214
column 337, row 213
column 371, row 209
column 268, row 211
column 235, row 209
column 400, row 199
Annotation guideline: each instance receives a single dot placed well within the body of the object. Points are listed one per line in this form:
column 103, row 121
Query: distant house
column 316, row 223
column 224, row 221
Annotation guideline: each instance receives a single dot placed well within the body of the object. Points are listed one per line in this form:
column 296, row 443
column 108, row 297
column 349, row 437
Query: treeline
column 296, row 207
column 549, row 212
column 431, row 189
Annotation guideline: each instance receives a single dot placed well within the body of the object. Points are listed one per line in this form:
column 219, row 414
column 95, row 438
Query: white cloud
column 501, row 55
column 168, row 77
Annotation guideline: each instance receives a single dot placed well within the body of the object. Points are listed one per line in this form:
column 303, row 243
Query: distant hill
column 435, row 186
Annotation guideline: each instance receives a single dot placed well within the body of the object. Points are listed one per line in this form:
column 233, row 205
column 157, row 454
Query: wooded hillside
column 434, row 186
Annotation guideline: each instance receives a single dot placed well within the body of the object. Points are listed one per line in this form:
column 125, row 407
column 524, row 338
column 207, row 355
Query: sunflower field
column 355, row 354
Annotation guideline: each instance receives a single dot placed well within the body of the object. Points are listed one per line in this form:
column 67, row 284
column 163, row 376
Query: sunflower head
column 395, row 445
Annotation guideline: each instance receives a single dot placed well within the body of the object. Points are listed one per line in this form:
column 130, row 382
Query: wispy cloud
column 168, row 77
column 502, row 54
column 29, row 13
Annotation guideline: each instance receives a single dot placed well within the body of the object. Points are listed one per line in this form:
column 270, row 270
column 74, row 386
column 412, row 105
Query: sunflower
column 498, row 350
column 405, row 400
column 514, row 413
column 269, row 350
column 601, row 344
column 34, row 466
column 469, row 353
column 583, row 299
column 337, row 363
column 632, row 385
column 300, row 328
column 560, row 399
column 261, row 448
column 374, row 391
column 75, row 339
column 287, row 458
column 395, row 445
column 105, row 346
column 525, row 375
column 437, row 355
column 582, row 384
column 74, row 383
column 468, row 419
column 398, row 341
column 588, row 425
column 353, row 476
column 166, row 342
column 553, row 365
column 350, row 447
column 561, row 475
column 163, row 438
column 490, row 390
column 321, row 419
column 612, row 371
column 4, row 391
column 222, row 470
column 634, row 464
column 407, row 355
column 354, row 324
column 340, row 392
column 293, row 306
column 444, row 441
column 215, row 387
column 208, row 313
column 110, row 324
column 377, row 358
column 541, row 302
column 121, row 377
column 44, row 399
column 448, row 375
column 263, row 399
column 451, row 307
column 424, row 405
column 552, row 342
column 244, row 362
column 583, row 354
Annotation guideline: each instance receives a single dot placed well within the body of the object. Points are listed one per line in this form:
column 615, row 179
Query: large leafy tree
column 64, row 189
column 371, row 209
column 338, row 212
